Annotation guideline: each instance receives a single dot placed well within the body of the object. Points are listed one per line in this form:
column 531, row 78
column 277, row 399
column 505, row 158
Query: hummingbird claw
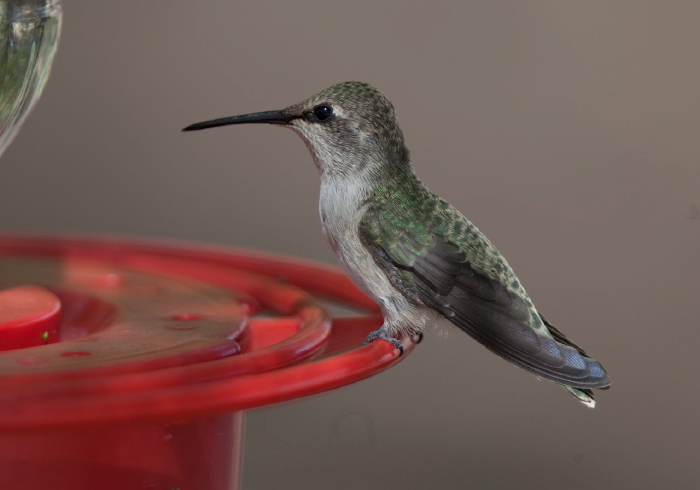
column 381, row 334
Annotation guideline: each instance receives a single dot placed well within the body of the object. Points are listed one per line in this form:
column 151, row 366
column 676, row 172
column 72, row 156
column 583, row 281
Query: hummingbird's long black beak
column 268, row 117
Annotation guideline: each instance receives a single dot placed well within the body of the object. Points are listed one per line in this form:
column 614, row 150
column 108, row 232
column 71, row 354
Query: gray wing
column 436, row 271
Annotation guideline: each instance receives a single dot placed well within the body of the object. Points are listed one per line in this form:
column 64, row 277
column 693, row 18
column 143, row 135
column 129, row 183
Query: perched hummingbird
column 408, row 249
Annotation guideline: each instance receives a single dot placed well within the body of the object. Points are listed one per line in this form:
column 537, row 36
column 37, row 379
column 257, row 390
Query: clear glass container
column 29, row 32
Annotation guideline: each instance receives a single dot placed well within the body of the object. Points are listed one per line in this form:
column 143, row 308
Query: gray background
column 566, row 130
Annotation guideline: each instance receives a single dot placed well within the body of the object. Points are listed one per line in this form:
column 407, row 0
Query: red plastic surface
column 29, row 316
column 202, row 454
column 146, row 338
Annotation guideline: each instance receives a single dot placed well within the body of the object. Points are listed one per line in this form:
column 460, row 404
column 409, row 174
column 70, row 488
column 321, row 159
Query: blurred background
column 567, row 131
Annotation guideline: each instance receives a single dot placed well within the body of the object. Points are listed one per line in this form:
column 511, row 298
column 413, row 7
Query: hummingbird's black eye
column 323, row 112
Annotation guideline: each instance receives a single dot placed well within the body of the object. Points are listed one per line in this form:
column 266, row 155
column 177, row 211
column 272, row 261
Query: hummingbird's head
column 349, row 128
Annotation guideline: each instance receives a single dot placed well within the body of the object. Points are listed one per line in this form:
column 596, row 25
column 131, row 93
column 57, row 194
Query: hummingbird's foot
column 420, row 337
column 381, row 334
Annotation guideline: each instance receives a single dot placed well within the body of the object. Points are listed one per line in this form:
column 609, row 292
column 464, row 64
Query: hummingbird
column 409, row 250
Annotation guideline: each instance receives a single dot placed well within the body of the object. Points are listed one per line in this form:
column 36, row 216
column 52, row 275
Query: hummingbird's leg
column 420, row 337
column 380, row 333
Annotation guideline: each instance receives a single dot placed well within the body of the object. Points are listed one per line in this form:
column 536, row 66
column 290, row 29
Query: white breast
column 341, row 206
column 341, row 210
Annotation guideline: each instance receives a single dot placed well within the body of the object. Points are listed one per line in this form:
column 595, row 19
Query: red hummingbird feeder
column 130, row 364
